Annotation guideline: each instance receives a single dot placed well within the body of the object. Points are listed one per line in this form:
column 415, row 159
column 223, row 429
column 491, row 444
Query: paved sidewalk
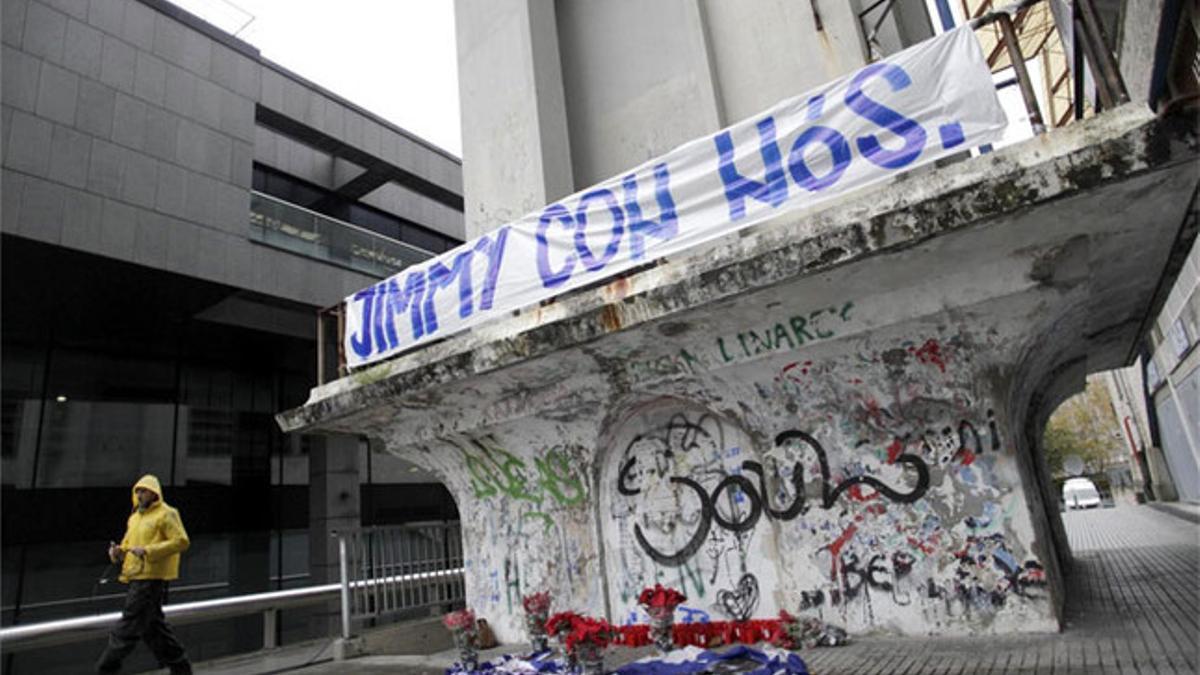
column 1132, row 607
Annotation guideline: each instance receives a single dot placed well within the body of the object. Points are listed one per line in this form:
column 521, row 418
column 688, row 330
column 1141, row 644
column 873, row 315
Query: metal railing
column 1088, row 45
column 299, row 230
column 377, row 580
column 378, row 565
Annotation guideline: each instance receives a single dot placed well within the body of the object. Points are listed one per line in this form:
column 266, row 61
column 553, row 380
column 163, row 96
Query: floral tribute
column 584, row 639
column 712, row 634
column 660, row 597
column 537, row 609
column 463, row 619
column 536, row 603
column 660, row 604
column 560, row 624
column 463, row 628
column 586, row 631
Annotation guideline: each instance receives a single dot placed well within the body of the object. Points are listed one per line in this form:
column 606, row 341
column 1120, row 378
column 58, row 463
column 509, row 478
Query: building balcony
column 293, row 228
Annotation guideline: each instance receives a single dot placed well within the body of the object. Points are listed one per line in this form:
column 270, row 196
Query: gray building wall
column 129, row 131
column 1175, row 378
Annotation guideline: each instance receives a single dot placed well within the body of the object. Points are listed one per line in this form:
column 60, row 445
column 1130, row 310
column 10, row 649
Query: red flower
column 661, row 597
column 460, row 620
column 588, row 630
column 536, row 603
column 561, row 622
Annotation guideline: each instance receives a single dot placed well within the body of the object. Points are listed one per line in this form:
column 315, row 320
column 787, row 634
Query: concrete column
column 333, row 504
column 516, row 153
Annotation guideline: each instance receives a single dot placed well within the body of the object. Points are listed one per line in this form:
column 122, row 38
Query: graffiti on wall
column 527, row 520
column 756, row 497
column 880, row 488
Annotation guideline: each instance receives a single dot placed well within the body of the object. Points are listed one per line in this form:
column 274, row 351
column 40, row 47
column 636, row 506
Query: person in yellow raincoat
column 149, row 557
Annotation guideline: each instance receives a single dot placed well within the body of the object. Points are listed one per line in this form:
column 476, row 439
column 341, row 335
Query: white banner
column 931, row 100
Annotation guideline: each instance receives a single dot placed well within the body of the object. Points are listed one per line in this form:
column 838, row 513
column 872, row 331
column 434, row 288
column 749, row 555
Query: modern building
column 176, row 208
column 1161, row 392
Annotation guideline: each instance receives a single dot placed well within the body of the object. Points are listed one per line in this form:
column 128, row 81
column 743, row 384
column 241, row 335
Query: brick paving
column 1133, row 604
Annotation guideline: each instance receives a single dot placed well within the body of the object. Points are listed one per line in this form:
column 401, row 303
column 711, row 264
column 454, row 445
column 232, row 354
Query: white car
column 1080, row 493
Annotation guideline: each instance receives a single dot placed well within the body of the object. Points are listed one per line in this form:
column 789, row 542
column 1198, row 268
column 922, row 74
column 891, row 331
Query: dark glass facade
column 111, row 370
column 302, row 193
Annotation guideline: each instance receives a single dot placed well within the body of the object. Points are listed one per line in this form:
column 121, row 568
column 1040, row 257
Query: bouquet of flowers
column 463, row 619
column 536, row 603
column 537, row 608
column 660, row 604
column 587, row 640
column 560, row 624
column 660, row 597
column 466, row 637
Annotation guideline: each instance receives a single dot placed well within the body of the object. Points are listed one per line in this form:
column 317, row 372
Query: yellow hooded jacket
column 160, row 531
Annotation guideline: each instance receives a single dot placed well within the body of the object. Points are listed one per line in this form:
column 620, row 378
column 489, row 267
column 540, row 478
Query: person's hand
column 138, row 551
column 114, row 552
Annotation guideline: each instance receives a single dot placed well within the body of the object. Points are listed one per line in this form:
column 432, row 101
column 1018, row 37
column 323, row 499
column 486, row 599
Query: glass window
column 20, row 409
column 108, row 420
column 310, row 196
column 1152, row 377
column 1180, row 339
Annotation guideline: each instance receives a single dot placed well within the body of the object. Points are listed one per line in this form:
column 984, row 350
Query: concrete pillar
column 639, row 81
column 516, row 153
column 333, row 504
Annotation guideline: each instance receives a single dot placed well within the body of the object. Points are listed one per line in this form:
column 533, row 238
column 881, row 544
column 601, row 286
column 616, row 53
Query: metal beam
column 320, row 140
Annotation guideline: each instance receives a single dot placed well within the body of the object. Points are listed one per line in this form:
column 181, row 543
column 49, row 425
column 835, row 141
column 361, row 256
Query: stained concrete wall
column 914, row 337
column 781, row 460
column 513, row 119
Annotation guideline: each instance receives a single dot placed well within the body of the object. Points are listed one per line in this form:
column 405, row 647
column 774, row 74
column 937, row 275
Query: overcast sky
column 395, row 58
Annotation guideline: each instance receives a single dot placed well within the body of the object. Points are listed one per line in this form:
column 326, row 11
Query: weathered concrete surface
column 839, row 410
column 1133, row 608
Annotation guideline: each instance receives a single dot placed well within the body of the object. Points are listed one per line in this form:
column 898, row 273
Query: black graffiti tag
column 759, row 496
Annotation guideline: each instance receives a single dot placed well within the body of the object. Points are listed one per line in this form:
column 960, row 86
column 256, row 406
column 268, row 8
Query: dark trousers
column 142, row 619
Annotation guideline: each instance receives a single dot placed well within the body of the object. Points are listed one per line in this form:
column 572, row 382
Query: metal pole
column 1079, row 91
column 341, row 337
column 1018, row 63
column 1107, row 65
column 1089, row 49
column 270, row 624
column 345, row 575
column 320, row 347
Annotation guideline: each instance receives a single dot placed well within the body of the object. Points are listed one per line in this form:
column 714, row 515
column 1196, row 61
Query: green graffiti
column 496, row 472
column 547, row 521
column 793, row 332
column 695, row 577
column 557, row 478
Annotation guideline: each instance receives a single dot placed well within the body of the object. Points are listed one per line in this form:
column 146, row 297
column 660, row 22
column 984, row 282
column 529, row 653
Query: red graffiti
column 930, row 352
column 855, row 492
column 967, row 456
column 835, row 549
column 894, row 451
column 794, row 365
column 927, row 550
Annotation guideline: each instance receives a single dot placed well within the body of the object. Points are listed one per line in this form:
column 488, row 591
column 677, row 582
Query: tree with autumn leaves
column 1084, row 425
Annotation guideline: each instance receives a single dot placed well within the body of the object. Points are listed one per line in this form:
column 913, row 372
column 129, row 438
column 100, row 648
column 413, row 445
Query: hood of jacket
column 149, row 482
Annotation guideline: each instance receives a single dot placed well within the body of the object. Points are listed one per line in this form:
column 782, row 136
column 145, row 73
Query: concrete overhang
column 1071, row 239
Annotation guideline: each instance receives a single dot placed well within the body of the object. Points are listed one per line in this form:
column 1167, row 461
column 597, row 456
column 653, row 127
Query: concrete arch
column 676, row 507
